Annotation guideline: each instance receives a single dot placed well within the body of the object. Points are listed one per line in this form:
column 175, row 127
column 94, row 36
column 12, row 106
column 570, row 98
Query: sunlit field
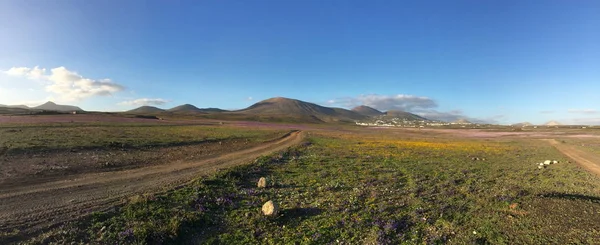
column 368, row 188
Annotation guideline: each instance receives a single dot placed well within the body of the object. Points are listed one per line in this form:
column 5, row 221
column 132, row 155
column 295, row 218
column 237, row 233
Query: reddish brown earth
column 35, row 206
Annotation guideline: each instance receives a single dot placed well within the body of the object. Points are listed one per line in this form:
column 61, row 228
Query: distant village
column 405, row 123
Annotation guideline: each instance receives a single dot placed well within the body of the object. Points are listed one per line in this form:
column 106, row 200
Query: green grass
column 367, row 190
column 82, row 136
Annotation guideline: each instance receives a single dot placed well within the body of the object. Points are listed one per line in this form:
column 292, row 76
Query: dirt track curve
column 34, row 207
column 587, row 160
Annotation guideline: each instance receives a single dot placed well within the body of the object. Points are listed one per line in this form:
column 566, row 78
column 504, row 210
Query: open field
column 337, row 184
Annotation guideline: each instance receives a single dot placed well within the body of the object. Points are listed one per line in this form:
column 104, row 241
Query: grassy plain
column 33, row 152
column 368, row 187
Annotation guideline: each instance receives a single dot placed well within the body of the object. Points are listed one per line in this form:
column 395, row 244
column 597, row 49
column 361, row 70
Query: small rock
column 270, row 208
column 262, row 182
column 547, row 162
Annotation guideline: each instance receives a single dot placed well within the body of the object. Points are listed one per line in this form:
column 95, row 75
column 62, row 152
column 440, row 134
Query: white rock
column 547, row 162
column 262, row 182
column 270, row 208
column 554, row 162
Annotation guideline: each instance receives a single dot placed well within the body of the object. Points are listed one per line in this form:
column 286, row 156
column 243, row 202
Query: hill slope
column 300, row 109
column 187, row 108
column 522, row 124
column 51, row 106
column 553, row 123
column 404, row 115
column 146, row 109
column 367, row 111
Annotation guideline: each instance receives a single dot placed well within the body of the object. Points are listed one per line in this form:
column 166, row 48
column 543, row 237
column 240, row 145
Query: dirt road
column 34, row 207
column 587, row 160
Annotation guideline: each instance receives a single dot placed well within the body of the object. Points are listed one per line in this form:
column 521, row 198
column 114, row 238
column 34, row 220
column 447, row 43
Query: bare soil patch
column 36, row 206
column 587, row 160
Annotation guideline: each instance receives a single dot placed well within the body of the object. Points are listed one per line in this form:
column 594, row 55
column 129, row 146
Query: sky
column 493, row 61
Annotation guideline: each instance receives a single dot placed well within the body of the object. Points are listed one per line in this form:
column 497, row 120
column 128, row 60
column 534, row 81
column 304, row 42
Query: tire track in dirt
column 35, row 207
column 589, row 161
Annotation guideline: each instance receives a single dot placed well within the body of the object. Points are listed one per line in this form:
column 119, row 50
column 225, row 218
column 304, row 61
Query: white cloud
column 250, row 98
column 402, row 102
column 583, row 111
column 67, row 84
column 144, row 101
column 546, row 112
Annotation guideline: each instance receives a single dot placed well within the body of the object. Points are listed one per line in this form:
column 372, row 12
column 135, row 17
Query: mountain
column 367, row 111
column 15, row 106
column 404, row 115
column 146, row 109
column 187, row 108
column 553, row 123
column 51, row 106
column 522, row 124
column 462, row 121
column 212, row 110
column 300, row 109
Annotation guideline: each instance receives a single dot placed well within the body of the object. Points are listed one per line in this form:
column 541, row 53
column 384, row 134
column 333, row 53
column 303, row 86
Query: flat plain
column 194, row 182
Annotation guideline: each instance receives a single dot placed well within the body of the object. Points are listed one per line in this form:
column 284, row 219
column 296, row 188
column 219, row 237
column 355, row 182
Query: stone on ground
column 270, row 208
column 262, row 182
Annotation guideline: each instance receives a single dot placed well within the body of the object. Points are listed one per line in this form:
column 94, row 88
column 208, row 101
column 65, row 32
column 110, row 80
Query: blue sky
column 500, row 61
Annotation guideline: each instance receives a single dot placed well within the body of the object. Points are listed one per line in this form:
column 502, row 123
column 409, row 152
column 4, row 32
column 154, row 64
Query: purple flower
column 126, row 233
column 390, row 226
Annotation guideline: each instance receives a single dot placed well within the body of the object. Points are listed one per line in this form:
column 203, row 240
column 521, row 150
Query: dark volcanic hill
column 300, row 109
column 367, row 111
column 187, row 108
column 146, row 109
column 51, row 106
column 404, row 115
column 212, row 110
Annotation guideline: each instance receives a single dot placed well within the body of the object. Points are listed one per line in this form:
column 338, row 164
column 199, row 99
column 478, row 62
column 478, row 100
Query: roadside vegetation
column 354, row 189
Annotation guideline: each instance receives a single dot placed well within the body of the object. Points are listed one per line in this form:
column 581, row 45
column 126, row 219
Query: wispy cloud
column 583, row 111
column 249, row 98
column 144, row 101
column 402, row 102
column 68, row 85
column 546, row 112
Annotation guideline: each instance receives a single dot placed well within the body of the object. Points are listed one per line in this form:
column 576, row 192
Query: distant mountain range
column 48, row 106
column 273, row 109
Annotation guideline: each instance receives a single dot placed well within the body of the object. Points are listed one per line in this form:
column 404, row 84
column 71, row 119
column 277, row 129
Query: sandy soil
column 587, row 160
column 33, row 207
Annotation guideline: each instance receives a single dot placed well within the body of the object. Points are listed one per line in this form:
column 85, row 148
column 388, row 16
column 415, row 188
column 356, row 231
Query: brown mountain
column 553, row 123
column 146, row 109
column 292, row 108
column 51, row 106
column 367, row 111
column 212, row 110
column 187, row 108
